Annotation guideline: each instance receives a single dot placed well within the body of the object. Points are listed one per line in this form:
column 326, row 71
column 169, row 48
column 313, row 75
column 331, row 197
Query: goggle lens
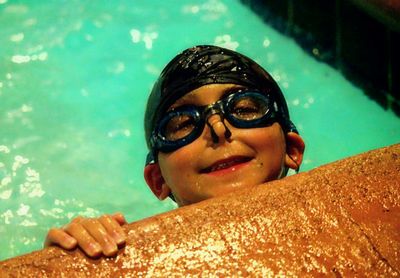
column 248, row 107
column 179, row 126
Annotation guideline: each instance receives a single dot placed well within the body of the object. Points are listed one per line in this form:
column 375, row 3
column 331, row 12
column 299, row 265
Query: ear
column 294, row 150
column 156, row 182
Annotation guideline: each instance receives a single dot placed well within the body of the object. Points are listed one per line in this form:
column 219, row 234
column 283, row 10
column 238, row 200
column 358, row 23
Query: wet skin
column 204, row 169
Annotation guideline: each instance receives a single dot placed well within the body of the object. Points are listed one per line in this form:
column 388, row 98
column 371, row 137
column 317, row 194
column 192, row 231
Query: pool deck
column 341, row 219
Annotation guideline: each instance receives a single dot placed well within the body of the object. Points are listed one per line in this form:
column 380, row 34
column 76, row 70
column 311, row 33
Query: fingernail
column 119, row 238
column 110, row 249
column 95, row 248
column 70, row 241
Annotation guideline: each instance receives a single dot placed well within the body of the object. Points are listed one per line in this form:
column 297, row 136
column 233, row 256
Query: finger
column 78, row 219
column 99, row 233
column 85, row 241
column 114, row 229
column 119, row 217
column 59, row 237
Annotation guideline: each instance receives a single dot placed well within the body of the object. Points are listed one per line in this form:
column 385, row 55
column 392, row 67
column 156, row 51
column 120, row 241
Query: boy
column 215, row 122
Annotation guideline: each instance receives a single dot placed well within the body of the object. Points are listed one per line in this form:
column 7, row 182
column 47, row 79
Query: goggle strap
column 228, row 133
column 213, row 134
column 150, row 158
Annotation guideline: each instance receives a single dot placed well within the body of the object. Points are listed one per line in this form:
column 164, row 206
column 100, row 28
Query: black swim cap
column 206, row 64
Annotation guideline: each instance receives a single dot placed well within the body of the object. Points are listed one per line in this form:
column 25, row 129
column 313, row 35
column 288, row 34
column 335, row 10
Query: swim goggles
column 243, row 109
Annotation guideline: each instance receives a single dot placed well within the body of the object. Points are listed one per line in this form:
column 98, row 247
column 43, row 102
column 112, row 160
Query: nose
column 218, row 128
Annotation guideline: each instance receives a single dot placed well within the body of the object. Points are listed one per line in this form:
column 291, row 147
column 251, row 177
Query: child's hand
column 95, row 236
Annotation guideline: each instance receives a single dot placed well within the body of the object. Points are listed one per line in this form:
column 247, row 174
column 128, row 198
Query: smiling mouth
column 225, row 164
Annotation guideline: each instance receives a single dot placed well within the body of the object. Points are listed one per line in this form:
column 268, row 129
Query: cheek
column 273, row 145
column 183, row 158
column 179, row 172
column 269, row 144
column 178, row 166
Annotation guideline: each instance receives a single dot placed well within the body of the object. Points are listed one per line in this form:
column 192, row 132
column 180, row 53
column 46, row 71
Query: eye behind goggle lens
column 247, row 108
column 178, row 125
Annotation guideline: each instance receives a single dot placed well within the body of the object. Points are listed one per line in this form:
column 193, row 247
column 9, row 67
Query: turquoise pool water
column 74, row 78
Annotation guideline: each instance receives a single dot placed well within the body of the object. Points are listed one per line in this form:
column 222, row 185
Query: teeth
column 227, row 164
column 224, row 165
column 220, row 166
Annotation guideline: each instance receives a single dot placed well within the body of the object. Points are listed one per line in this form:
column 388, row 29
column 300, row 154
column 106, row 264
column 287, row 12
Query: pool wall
column 360, row 38
column 340, row 220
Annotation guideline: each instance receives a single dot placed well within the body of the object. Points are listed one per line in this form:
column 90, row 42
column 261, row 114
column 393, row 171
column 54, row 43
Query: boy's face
column 205, row 169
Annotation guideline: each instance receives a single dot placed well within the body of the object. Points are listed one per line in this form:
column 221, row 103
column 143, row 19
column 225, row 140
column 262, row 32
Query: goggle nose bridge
column 212, row 109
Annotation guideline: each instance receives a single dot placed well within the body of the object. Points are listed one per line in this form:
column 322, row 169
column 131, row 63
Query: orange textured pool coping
column 340, row 219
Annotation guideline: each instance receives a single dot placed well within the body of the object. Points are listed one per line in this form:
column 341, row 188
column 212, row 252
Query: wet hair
column 202, row 65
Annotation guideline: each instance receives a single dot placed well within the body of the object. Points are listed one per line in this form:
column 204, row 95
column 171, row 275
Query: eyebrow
column 186, row 97
column 232, row 89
